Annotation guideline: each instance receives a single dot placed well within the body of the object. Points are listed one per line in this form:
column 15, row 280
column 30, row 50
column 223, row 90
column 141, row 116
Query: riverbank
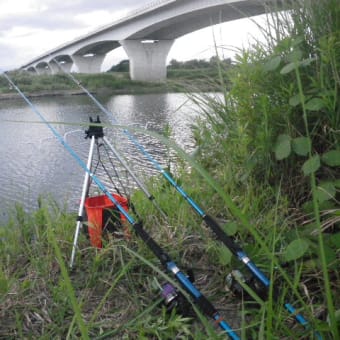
column 200, row 80
column 55, row 93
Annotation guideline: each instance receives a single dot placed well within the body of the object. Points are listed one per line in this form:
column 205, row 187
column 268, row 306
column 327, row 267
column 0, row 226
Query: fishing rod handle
column 253, row 268
column 221, row 235
column 235, row 249
column 151, row 243
column 203, row 303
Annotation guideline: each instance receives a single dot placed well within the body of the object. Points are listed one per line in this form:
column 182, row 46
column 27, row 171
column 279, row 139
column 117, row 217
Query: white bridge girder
column 160, row 21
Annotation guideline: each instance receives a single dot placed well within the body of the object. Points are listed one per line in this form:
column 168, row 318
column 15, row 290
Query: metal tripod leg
column 82, row 201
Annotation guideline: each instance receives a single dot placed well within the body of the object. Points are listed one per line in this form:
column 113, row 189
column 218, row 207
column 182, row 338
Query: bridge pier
column 63, row 65
column 43, row 68
column 147, row 58
column 88, row 64
column 32, row 70
column 54, row 67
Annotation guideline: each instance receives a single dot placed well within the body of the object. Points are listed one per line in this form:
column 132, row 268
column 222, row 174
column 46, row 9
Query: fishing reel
column 172, row 298
column 236, row 281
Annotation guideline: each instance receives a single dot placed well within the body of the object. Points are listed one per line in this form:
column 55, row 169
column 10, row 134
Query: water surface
column 33, row 162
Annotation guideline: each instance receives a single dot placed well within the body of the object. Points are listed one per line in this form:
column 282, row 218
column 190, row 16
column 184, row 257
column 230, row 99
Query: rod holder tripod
column 95, row 132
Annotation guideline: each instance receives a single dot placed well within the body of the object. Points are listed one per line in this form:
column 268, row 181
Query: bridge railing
column 148, row 6
column 130, row 15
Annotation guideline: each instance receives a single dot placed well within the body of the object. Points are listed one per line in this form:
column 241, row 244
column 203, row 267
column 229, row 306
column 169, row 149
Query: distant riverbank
column 14, row 95
column 201, row 80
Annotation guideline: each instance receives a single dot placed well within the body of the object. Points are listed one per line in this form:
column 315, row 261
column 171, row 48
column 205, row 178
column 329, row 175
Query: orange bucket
column 95, row 207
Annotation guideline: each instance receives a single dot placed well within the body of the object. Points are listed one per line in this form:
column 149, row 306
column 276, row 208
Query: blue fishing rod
column 204, row 304
column 216, row 228
column 209, row 220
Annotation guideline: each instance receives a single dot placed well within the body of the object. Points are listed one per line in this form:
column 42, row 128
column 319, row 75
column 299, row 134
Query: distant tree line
column 198, row 63
column 124, row 65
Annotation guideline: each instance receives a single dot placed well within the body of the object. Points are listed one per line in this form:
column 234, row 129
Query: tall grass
column 267, row 166
column 278, row 129
column 110, row 294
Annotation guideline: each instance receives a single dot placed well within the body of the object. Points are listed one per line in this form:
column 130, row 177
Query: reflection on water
column 33, row 162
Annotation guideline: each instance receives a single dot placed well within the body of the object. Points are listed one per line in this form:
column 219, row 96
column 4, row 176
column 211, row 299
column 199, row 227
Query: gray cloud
column 18, row 30
column 61, row 14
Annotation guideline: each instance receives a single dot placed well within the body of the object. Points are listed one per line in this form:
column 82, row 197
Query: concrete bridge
column 146, row 35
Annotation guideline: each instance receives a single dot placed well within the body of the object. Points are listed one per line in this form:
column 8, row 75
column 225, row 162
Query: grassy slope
column 268, row 191
column 108, row 83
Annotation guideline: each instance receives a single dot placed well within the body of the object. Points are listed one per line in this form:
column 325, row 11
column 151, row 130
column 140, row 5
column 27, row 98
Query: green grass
column 267, row 166
column 109, row 83
column 110, row 293
column 277, row 131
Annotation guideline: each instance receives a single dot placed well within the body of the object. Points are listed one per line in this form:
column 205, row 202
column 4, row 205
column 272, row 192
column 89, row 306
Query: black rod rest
column 94, row 129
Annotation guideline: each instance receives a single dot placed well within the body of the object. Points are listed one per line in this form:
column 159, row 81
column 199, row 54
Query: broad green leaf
column 295, row 100
column 283, row 147
column 337, row 183
column 297, row 40
column 337, row 315
column 301, row 145
column 224, row 256
column 307, row 62
column 331, row 158
column 308, row 207
column 315, row 104
column 289, row 68
column 335, row 240
column 230, row 228
column 295, row 56
column 325, row 191
column 272, row 64
column 296, row 249
column 330, row 255
column 311, row 165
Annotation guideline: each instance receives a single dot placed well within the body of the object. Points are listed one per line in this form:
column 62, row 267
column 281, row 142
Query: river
column 34, row 163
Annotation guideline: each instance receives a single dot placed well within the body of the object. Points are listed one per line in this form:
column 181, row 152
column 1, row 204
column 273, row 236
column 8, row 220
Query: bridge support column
column 54, row 67
column 147, row 58
column 88, row 64
column 66, row 66
column 59, row 67
column 32, row 70
column 43, row 69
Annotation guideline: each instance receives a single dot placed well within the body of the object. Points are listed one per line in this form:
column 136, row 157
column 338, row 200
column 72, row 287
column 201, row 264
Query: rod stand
column 94, row 130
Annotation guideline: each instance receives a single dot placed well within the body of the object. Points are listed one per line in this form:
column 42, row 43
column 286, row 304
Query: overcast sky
column 29, row 28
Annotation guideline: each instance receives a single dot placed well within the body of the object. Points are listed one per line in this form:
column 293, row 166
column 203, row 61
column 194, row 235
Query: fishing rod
column 204, row 304
column 209, row 220
column 96, row 129
column 149, row 196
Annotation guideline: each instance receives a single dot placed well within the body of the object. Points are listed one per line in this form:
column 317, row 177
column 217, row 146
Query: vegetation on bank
column 267, row 165
column 198, row 74
column 275, row 139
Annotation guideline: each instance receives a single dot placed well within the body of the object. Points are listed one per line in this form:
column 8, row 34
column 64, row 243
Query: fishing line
column 215, row 227
column 209, row 220
column 204, row 304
